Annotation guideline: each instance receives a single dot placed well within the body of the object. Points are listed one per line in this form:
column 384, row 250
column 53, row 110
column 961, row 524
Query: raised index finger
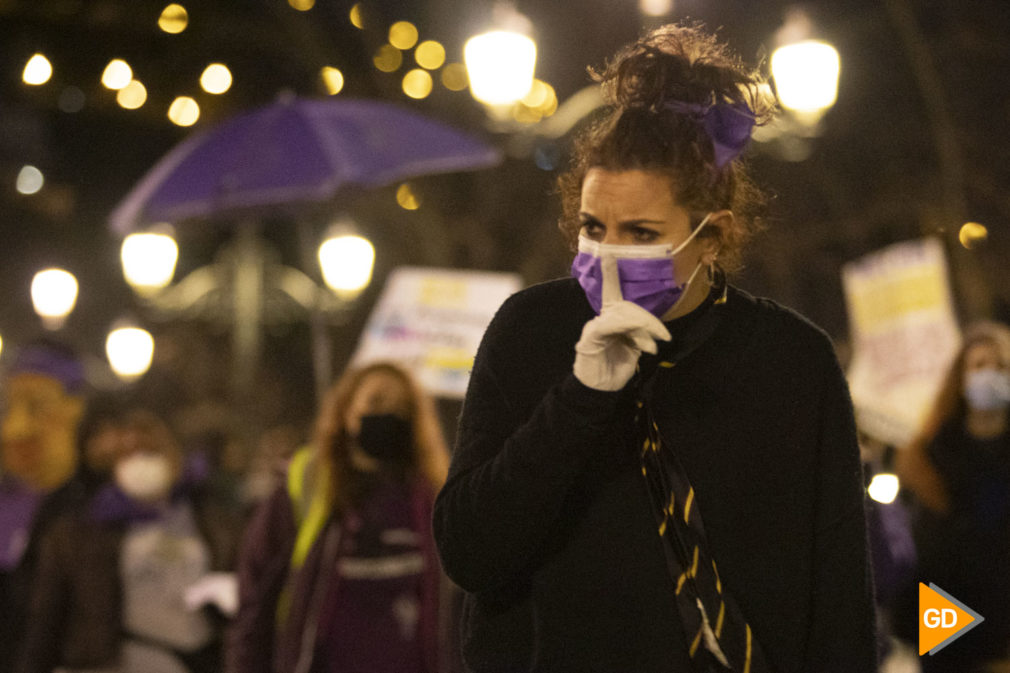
column 611, row 280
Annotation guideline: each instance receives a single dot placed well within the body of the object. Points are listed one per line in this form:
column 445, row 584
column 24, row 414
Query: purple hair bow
column 727, row 124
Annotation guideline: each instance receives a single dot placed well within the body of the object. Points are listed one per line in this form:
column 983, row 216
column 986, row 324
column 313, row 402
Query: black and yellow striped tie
column 718, row 635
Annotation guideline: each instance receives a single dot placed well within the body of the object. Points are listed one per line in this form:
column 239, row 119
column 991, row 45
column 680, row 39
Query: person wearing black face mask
column 338, row 571
column 386, row 437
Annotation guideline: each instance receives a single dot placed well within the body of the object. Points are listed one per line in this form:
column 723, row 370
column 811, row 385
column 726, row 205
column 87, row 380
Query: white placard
column 904, row 335
column 432, row 321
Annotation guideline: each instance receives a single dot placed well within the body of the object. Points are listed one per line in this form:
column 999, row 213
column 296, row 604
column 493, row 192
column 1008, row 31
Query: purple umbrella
column 295, row 151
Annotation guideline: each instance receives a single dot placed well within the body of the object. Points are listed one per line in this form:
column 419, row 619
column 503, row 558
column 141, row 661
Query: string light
column 216, row 78
column 37, row 71
column 972, row 234
column 184, row 111
column 454, row 77
column 417, row 83
column 117, row 74
column 407, row 198
column 333, row 80
column 430, row 55
column 388, row 58
column 29, row 181
column 403, row 35
column 357, row 18
column 132, row 96
column 174, row 19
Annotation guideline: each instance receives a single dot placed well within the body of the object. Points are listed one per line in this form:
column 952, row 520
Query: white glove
column 607, row 354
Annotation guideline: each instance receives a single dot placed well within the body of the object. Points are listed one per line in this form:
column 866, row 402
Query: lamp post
column 54, row 294
column 130, row 351
column 247, row 287
column 149, row 260
column 500, row 62
column 805, row 69
column 806, row 78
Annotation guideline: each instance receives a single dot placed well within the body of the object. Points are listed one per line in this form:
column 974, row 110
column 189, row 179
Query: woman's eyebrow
column 587, row 218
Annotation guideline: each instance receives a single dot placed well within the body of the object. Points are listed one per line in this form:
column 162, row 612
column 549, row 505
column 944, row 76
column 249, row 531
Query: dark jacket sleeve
column 47, row 610
column 262, row 569
column 842, row 629
column 512, row 469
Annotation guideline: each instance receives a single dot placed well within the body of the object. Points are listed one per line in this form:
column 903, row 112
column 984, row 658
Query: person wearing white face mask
column 957, row 471
column 114, row 576
column 655, row 471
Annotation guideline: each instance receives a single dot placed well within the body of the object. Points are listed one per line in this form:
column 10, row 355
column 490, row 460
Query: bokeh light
column 972, row 234
column 174, row 19
column 430, row 55
column 184, row 111
column 333, row 79
column 407, row 197
column 130, row 351
column 117, row 74
column 37, row 70
column 29, row 181
column 417, row 83
column 655, row 7
column 54, row 294
column 302, row 5
column 357, row 17
column 149, row 260
column 132, row 96
column 806, row 75
column 403, row 35
column 500, row 66
column 216, row 78
column 884, row 488
column 346, row 262
column 388, row 58
column 454, row 77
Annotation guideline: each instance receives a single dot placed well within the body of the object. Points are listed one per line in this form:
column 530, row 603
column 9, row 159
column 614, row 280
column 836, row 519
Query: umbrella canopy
column 295, row 151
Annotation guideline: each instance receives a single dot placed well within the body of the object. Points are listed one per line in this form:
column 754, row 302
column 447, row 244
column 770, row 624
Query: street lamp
column 130, row 351
column 346, row 261
column 149, row 260
column 500, row 63
column 54, row 294
column 806, row 77
column 247, row 287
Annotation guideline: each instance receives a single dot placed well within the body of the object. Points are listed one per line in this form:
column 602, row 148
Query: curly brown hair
column 676, row 63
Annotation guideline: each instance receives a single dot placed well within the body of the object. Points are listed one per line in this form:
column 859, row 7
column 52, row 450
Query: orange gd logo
column 942, row 619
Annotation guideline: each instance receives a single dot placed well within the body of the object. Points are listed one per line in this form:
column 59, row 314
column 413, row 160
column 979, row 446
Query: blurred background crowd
column 151, row 421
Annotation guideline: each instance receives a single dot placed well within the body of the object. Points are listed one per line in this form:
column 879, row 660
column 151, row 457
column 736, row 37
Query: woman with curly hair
column 338, row 571
column 656, row 471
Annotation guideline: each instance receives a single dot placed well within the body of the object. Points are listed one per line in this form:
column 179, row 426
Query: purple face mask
column 645, row 273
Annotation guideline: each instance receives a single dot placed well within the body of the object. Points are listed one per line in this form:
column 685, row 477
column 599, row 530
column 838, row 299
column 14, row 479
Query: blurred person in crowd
column 99, row 441
column 958, row 470
column 654, row 470
column 43, row 399
column 338, row 570
column 110, row 594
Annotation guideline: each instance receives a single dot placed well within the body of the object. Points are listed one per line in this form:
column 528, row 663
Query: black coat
column 545, row 520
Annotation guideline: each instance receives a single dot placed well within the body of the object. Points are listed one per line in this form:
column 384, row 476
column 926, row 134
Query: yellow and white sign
column 432, row 321
column 904, row 335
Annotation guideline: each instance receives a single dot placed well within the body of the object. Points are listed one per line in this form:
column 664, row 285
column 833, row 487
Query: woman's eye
column 644, row 235
column 592, row 230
